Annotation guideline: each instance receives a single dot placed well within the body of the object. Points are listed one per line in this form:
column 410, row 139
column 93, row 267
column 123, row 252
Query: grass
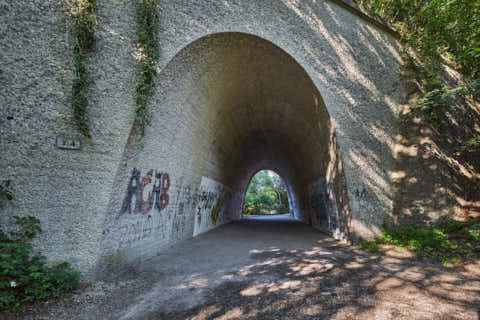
column 449, row 242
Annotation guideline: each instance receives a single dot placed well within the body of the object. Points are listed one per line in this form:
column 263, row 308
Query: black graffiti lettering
column 132, row 190
column 157, row 189
column 157, row 198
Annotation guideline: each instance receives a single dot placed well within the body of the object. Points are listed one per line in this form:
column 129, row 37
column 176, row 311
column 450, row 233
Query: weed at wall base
column 26, row 277
column 449, row 242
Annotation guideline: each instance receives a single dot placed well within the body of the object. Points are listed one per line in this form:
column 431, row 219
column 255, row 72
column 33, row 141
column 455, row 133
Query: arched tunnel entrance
column 229, row 105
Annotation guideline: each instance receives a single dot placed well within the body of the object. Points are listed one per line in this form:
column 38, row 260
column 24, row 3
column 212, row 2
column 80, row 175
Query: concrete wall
column 243, row 86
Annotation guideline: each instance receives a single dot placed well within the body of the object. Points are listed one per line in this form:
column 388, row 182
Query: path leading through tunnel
column 274, row 268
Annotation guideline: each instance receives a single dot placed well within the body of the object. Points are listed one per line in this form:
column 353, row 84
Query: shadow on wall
column 429, row 181
column 356, row 65
column 328, row 198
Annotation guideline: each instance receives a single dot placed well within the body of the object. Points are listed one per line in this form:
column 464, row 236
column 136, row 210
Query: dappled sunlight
column 286, row 270
column 338, row 286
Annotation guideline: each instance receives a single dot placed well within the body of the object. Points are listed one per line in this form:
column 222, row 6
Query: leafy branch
column 5, row 193
column 83, row 30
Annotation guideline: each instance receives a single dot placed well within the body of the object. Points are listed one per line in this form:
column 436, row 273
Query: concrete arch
column 229, row 105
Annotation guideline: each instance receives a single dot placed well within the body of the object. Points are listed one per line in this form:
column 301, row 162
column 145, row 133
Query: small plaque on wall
column 68, row 143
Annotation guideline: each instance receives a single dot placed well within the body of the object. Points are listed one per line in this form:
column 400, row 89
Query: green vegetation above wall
column 438, row 33
column 266, row 194
column 438, row 30
column 147, row 54
column 83, row 30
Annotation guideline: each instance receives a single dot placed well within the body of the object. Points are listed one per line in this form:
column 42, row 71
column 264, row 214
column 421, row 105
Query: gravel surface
column 274, row 269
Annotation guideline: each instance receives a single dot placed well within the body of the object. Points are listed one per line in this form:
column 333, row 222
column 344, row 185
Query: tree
column 266, row 194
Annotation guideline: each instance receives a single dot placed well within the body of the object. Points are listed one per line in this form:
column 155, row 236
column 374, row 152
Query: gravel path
column 274, row 269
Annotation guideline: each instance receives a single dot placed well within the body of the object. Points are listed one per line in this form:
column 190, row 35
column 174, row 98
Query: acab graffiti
column 157, row 198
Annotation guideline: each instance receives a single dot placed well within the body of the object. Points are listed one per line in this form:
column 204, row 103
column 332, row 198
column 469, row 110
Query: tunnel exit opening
column 266, row 194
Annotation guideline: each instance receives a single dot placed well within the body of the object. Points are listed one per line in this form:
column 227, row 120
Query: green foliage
column 83, row 30
column 148, row 53
column 471, row 146
column 25, row 277
column 5, row 193
column 435, row 102
column 436, row 29
column 372, row 246
column 441, row 243
column 439, row 32
column 266, row 193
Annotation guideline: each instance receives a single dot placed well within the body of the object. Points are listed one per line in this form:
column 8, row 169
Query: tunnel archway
column 228, row 105
column 243, row 104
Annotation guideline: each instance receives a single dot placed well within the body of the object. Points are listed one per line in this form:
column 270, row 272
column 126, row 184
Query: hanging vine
column 147, row 54
column 83, row 30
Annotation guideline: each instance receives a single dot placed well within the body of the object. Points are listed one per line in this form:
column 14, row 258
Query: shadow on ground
column 275, row 268
column 331, row 281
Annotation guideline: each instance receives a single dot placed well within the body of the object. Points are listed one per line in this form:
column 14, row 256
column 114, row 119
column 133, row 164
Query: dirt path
column 261, row 269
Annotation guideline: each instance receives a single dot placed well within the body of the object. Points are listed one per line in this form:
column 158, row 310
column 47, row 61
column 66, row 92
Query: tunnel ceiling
column 261, row 106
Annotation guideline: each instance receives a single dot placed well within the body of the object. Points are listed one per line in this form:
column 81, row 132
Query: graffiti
column 333, row 219
column 146, row 206
column 160, row 190
column 178, row 227
column 319, row 199
column 329, row 201
column 215, row 212
column 132, row 190
column 134, row 232
column 324, row 205
column 210, row 204
column 151, row 191
column 361, row 192
column 157, row 198
column 199, row 216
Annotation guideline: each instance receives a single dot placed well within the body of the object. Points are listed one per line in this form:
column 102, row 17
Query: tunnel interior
column 242, row 104
column 227, row 106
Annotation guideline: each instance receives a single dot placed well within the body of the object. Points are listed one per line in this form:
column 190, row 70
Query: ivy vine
column 83, row 30
column 148, row 17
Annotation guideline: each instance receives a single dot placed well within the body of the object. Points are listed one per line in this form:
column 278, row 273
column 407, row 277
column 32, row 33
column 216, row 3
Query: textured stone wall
column 243, row 86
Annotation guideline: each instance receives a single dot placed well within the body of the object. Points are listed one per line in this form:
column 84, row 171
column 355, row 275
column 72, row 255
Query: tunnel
column 227, row 106
column 306, row 89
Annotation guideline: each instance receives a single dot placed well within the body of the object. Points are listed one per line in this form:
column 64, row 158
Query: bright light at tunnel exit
column 266, row 194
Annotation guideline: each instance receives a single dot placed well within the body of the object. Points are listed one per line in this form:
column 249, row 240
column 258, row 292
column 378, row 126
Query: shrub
column 24, row 276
